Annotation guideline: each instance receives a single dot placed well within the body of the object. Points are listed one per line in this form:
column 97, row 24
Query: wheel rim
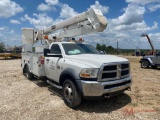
column 144, row 64
column 68, row 93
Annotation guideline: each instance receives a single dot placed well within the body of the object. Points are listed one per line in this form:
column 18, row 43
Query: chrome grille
column 114, row 71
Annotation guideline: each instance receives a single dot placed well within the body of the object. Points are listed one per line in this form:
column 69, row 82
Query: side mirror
column 46, row 51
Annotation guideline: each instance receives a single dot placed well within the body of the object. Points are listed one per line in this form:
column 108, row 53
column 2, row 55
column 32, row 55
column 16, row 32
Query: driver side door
column 52, row 63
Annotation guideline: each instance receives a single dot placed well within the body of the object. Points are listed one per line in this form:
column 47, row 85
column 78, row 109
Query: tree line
column 106, row 49
column 112, row 50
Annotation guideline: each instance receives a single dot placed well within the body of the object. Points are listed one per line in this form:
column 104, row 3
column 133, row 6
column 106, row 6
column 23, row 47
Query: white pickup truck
column 79, row 70
column 75, row 67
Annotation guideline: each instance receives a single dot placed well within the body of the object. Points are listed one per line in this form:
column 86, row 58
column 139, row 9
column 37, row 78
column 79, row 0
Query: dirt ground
column 21, row 99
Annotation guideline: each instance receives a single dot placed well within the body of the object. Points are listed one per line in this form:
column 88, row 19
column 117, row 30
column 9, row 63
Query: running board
column 53, row 84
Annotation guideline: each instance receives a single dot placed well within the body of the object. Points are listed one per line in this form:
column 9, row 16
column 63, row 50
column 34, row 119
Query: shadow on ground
column 105, row 105
column 158, row 68
column 90, row 106
column 53, row 90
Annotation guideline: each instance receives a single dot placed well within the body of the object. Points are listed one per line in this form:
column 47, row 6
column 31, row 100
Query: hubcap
column 144, row 64
column 68, row 93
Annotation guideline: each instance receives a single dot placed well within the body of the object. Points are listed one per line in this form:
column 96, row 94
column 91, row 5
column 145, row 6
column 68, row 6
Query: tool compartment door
column 38, row 68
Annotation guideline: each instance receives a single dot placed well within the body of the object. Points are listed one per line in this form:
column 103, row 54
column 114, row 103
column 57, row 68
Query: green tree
column 110, row 50
column 103, row 47
column 98, row 46
column 2, row 47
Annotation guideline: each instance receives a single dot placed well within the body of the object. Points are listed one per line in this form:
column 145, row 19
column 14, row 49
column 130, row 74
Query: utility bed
column 36, row 61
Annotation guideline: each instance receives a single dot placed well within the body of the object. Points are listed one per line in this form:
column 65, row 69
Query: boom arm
column 146, row 35
column 84, row 23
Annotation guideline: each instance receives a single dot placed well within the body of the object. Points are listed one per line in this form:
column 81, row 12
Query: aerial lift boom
column 87, row 22
column 149, row 40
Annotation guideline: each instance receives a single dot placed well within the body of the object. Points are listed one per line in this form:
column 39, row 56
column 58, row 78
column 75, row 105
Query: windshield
column 78, row 48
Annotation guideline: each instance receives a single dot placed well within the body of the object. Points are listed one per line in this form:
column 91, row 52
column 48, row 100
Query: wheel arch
column 69, row 75
column 24, row 68
column 148, row 60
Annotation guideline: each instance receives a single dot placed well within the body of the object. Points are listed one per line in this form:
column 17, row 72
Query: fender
column 148, row 59
column 69, row 72
column 26, row 64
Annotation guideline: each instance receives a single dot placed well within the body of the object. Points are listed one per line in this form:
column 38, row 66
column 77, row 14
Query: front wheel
column 145, row 64
column 71, row 96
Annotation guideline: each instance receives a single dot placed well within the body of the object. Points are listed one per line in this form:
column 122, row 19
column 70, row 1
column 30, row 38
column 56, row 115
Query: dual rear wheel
column 28, row 74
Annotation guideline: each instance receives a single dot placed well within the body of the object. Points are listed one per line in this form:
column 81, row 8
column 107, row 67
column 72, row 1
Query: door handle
column 47, row 59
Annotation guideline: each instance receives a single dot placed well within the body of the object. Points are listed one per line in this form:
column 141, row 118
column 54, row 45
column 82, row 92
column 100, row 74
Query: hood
column 95, row 60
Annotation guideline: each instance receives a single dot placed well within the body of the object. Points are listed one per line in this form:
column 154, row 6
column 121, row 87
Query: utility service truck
column 72, row 65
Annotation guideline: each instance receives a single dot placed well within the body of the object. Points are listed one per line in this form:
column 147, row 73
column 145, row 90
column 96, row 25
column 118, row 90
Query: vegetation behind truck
column 73, row 66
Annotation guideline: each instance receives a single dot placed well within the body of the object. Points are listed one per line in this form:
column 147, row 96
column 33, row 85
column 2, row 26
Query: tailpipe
column 107, row 95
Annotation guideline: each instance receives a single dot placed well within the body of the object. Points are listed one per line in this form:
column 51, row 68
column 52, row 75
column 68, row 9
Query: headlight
column 89, row 73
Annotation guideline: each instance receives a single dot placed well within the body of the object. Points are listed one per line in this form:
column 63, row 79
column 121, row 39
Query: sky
column 127, row 20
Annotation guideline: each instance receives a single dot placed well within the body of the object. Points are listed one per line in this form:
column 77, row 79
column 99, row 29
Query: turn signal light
column 45, row 37
column 42, row 59
column 85, row 75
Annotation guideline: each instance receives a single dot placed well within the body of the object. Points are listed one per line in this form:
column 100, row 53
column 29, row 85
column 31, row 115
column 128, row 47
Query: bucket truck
column 74, row 66
column 152, row 59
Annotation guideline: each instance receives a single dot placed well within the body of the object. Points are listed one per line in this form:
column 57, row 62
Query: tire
column 71, row 96
column 28, row 74
column 145, row 64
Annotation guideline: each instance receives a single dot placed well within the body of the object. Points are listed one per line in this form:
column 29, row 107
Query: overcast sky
column 127, row 20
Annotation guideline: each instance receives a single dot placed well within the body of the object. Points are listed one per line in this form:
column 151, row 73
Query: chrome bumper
column 95, row 88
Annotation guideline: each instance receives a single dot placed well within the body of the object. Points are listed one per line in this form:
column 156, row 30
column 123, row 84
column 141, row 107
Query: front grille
column 114, row 71
column 124, row 66
column 125, row 72
column 109, row 75
column 110, row 67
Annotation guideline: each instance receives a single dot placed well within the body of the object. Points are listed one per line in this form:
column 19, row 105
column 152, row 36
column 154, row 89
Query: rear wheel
column 28, row 74
column 71, row 96
column 145, row 64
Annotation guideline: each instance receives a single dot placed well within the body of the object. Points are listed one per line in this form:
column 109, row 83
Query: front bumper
column 95, row 88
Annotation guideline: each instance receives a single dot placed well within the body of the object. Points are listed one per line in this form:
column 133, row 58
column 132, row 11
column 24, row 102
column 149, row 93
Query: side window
column 55, row 49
